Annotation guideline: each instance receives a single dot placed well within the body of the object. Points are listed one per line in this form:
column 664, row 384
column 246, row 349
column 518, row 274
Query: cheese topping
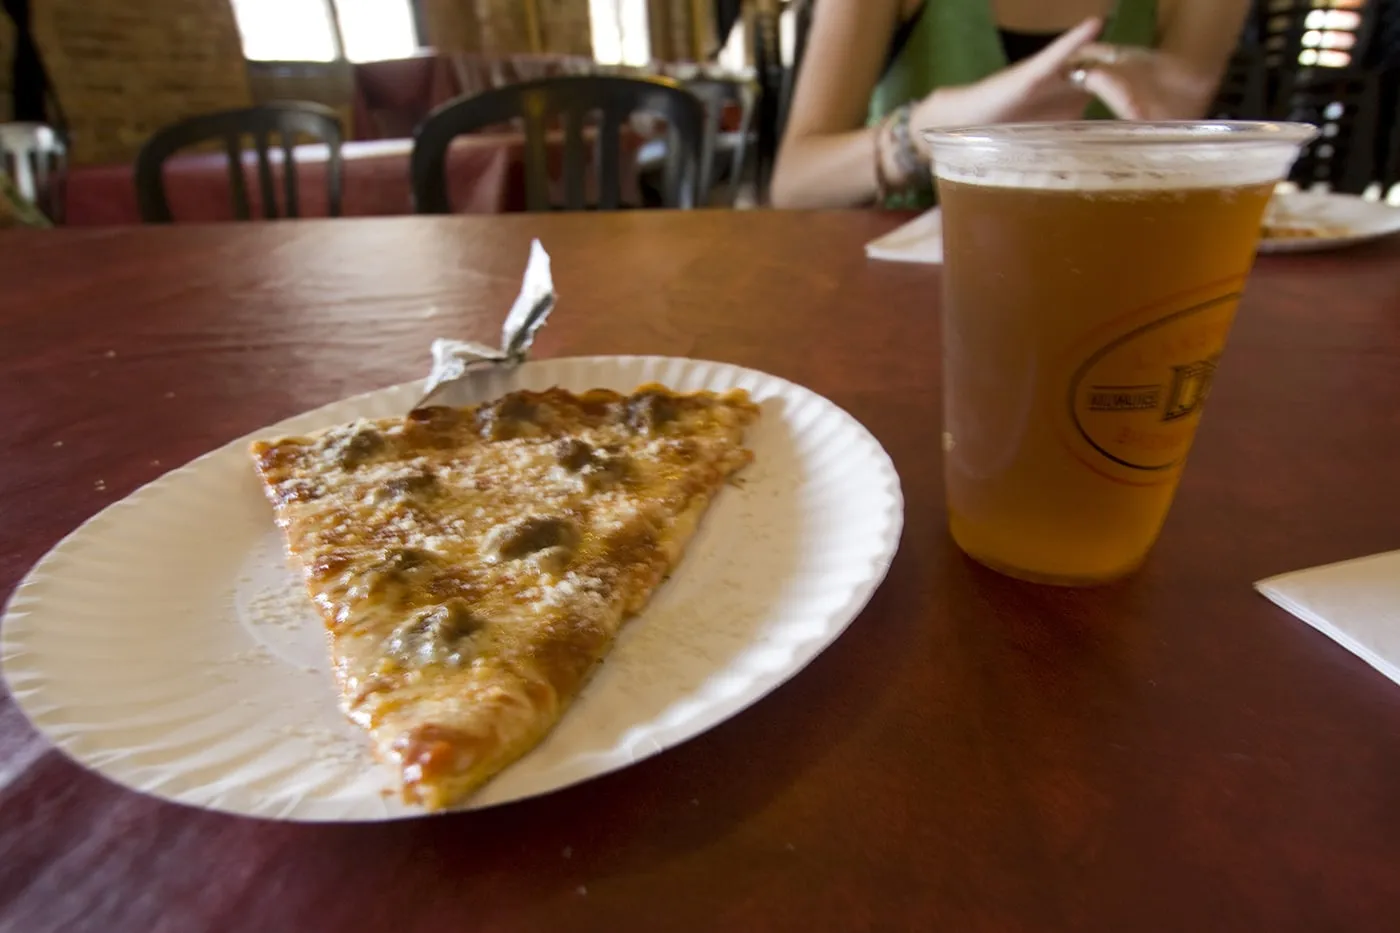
column 473, row 565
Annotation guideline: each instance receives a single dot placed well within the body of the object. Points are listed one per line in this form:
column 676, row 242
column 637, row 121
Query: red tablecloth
column 485, row 175
column 392, row 97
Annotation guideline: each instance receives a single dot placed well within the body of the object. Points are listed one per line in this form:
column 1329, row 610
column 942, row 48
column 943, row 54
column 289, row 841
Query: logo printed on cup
column 1136, row 399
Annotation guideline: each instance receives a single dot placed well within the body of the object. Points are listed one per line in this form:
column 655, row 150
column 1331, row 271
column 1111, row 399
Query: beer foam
column 1113, row 156
column 1102, row 172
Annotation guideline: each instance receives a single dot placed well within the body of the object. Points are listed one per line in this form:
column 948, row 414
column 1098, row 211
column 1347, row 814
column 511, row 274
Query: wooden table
column 1169, row 753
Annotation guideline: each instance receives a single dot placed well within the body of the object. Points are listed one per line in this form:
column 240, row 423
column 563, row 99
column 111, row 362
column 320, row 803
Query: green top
column 956, row 42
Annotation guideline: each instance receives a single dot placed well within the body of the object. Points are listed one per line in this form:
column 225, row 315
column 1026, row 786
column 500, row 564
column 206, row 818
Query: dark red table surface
column 1172, row 752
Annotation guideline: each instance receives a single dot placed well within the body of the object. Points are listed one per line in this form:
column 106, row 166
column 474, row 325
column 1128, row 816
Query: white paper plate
column 167, row 645
column 1349, row 218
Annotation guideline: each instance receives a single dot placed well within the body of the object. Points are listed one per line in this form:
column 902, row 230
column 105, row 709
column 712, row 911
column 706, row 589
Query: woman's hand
column 1034, row 89
column 830, row 158
column 1140, row 84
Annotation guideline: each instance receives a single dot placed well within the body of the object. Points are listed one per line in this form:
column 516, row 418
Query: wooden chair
column 1345, row 106
column 573, row 98
column 36, row 160
column 288, row 120
column 718, row 94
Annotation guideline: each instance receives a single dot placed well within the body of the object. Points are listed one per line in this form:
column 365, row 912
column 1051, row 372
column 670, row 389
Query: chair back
column 572, row 99
column 1345, row 107
column 36, row 160
column 773, row 79
column 286, row 120
column 718, row 95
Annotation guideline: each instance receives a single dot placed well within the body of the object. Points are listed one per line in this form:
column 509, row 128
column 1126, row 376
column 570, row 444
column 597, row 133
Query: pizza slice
column 473, row 565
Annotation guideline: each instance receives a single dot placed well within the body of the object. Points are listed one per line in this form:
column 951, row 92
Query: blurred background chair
column 726, row 145
column 288, row 120
column 1332, row 63
column 1381, row 56
column 775, row 80
column 573, row 99
column 1345, row 106
column 36, row 160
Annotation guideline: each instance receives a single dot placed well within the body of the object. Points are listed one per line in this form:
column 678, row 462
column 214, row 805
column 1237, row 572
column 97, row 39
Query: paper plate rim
column 1387, row 218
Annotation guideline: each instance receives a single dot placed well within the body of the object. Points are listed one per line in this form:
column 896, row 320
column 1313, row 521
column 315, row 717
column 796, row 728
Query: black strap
column 726, row 15
column 31, row 90
column 901, row 38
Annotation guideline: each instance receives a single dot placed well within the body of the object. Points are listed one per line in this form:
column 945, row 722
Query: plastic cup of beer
column 1091, row 273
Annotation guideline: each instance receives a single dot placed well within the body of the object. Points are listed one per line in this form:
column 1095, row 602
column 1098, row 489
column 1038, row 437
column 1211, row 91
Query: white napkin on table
column 920, row 240
column 1356, row 603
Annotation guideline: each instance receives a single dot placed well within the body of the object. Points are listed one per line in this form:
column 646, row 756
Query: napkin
column 920, row 240
column 1356, row 603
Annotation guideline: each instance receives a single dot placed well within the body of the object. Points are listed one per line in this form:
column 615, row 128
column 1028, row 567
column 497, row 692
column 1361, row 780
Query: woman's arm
column 1178, row 81
column 827, row 156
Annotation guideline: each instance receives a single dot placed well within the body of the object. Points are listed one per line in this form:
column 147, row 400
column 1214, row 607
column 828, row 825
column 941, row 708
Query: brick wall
column 125, row 68
column 670, row 25
column 504, row 26
column 329, row 83
column 565, row 28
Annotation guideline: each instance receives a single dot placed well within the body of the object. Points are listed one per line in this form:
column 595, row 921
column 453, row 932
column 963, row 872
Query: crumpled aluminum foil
column 454, row 360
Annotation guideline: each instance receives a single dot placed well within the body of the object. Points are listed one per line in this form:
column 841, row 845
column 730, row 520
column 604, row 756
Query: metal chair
column 37, row 161
column 573, row 98
column 717, row 94
column 773, row 79
column 288, row 120
column 1278, row 27
column 1382, row 56
column 1345, row 106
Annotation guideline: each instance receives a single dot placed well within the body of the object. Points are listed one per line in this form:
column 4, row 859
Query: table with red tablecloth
column 485, row 174
column 392, row 97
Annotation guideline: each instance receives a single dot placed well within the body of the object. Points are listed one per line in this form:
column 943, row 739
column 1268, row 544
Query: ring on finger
column 1078, row 77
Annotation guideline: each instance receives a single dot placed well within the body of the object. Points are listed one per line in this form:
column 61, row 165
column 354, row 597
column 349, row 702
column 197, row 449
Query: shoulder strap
column 32, row 95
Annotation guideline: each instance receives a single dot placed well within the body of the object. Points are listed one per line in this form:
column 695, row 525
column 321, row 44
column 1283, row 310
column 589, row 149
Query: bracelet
column 882, row 181
column 905, row 155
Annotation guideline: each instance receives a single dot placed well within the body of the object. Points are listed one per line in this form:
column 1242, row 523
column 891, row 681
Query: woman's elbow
column 814, row 172
column 783, row 190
